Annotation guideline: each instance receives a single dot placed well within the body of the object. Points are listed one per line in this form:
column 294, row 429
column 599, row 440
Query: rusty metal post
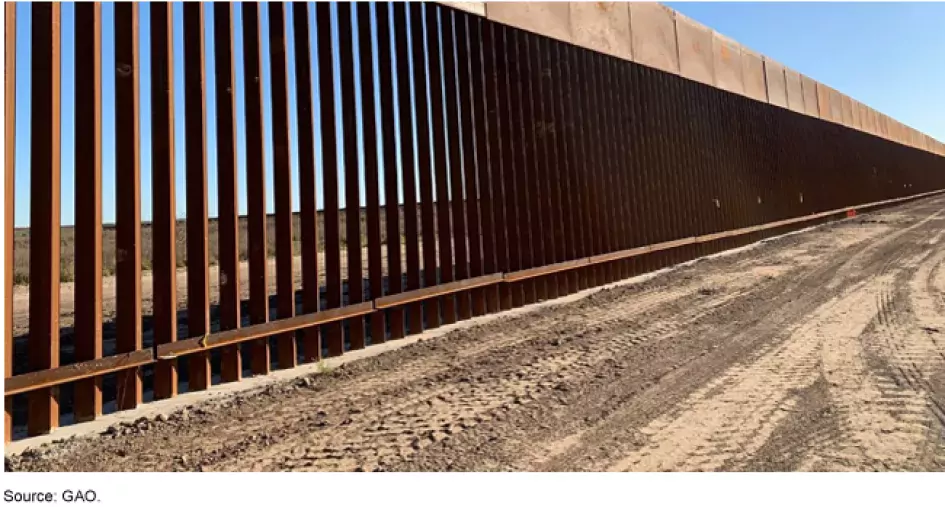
column 494, row 98
column 516, row 201
column 455, row 161
column 531, row 117
column 228, row 247
column 402, row 38
column 128, row 205
column 569, row 202
column 88, row 204
column 195, row 156
column 308, row 207
column 470, row 188
column 486, row 158
column 255, row 186
column 370, row 143
column 9, row 174
column 392, row 206
column 556, row 161
column 421, row 64
column 577, row 162
column 44, row 212
column 624, row 153
column 286, row 350
column 163, row 198
column 326, row 88
column 349, row 141
column 435, row 73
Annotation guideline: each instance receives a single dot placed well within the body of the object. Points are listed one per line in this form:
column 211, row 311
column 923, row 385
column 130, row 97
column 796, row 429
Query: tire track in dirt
column 735, row 423
column 402, row 426
column 699, row 340
column 567, row 461
column 890, row 414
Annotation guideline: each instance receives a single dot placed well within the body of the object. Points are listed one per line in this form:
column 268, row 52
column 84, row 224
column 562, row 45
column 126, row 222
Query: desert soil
column 823, row 350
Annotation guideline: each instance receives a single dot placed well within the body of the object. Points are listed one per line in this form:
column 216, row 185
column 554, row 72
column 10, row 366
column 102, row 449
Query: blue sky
column 887, row 56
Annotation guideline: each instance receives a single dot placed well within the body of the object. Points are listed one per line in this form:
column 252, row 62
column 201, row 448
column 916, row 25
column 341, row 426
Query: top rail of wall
column 654, row 35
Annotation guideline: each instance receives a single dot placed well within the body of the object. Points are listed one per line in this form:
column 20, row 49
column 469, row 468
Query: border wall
column 541, row 149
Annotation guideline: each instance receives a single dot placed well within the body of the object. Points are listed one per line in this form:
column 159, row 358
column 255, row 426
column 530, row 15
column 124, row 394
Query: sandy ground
column 823, row 350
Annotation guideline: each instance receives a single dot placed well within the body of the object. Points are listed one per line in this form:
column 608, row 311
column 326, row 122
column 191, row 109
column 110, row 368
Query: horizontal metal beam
column 436, row 291
column 46, row 378
column 76, row 371
column 230, row 337
column 545, row 270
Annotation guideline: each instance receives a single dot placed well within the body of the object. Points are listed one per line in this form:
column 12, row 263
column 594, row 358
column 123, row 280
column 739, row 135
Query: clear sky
column 889, row 56
column 886, row 55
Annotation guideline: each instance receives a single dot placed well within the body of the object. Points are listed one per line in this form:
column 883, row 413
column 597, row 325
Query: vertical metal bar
column 657, row 143
column 392, row 206
column 702, row 202
column 486, row 158
column 163, row 195
column 255, row 185
column 690, row 167
column 611, row 159
column 595, row 173
column 622, row 148
column 352, row 177
column 557, row 163
column 404, row 108
column 730, row 150
column 564, row 147
column 604, row 101
column 326, row 90
column 548, row 165
column 231, row 366
column 471, row 190
column 195, row 156
column 517, row 201
column 371, row 190
column 638, row 209
column 435, row 72
column 9, row 174
column 286, row 351
column 496, row 86
column 454, row 146
column 420, row 68
column 523, row 119
column 725, row 150
column 645, row 173
column 44, row 212
column 684, row 141
column 622, row 155
column 586, row 159
column 671, row 175
column 654, row 165
column 308, row 220
column 88, row 204
column 512, row 295
column 578, row 161
column 531, row 115
column 682, row 184
column 128, row 205
column 697, row 159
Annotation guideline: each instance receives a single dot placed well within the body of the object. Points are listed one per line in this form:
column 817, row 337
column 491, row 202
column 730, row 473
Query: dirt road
column 823, row 350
